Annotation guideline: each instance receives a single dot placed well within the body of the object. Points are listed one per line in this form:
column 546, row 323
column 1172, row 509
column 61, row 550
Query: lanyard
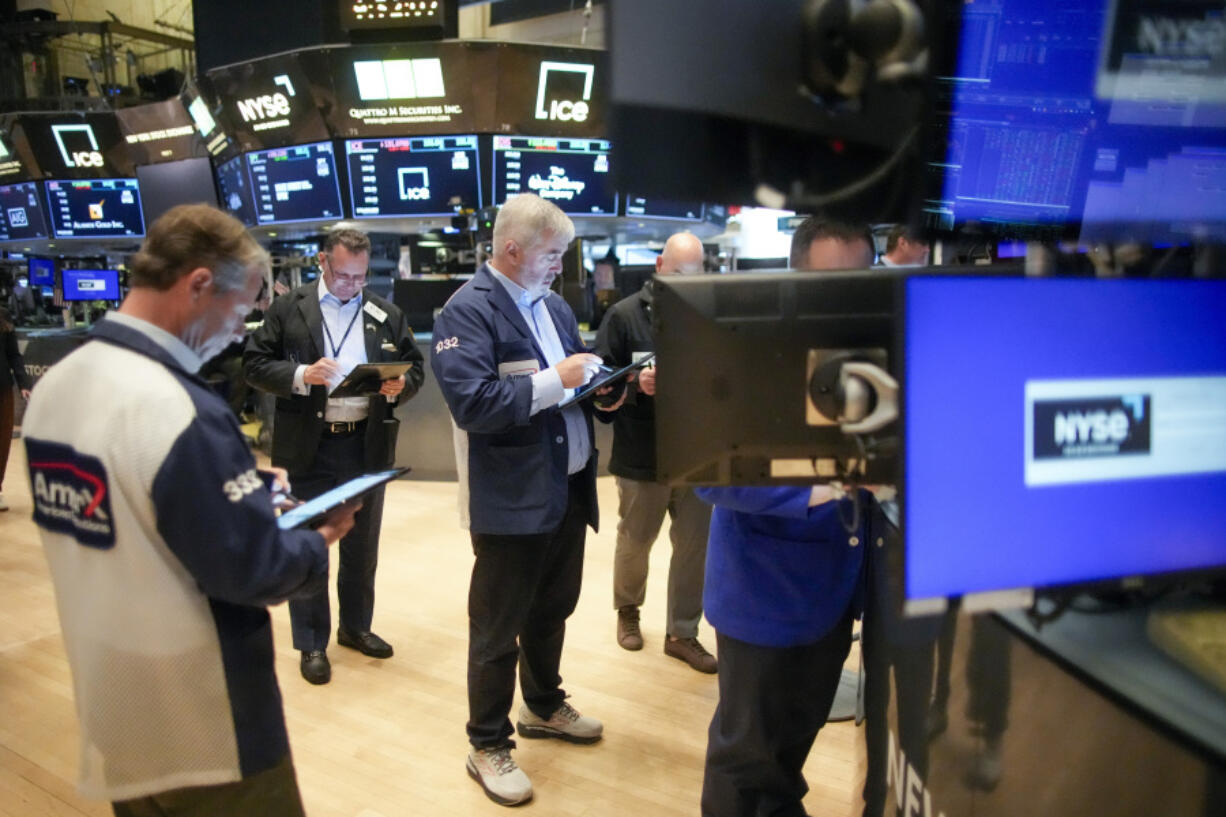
column 336, row 347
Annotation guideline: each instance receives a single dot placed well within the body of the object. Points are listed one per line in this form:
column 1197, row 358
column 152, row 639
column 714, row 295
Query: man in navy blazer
column 507, row 351
column 310, row 339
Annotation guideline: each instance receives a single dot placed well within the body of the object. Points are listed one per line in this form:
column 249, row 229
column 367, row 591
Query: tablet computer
column 366, row 378
column 314, row 510
column 606, row 377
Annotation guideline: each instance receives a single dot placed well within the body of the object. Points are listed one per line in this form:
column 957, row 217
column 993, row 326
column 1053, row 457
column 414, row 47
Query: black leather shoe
column 315, row 666
column 365, row 643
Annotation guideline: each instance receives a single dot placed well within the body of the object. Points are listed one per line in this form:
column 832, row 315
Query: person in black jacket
column 310, row 339
column 12, row 371
column 625, row 336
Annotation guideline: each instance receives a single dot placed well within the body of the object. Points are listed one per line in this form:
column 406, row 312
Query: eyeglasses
column 352, row 280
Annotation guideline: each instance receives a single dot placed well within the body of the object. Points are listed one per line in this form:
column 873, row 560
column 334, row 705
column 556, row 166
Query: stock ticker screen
column 21, row 212
column 417, row 176
column 95, row 208
column 1099, row 121
column 295, row 183
column 571, row 173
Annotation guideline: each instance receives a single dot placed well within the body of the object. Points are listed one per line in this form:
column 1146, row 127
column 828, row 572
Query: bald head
column 682, row 255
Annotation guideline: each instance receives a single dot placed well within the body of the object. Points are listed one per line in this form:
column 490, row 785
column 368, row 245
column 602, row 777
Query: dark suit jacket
column 292, row 334
column 12, row 366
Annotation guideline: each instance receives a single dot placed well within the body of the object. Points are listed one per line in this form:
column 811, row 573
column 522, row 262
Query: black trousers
column 772, row 702
column 522, row 591
column 340, row 458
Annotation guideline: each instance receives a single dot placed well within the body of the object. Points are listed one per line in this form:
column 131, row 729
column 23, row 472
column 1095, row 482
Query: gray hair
column 526, row 219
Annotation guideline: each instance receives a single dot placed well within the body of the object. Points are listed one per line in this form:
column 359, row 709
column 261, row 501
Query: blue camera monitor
column 95, row 208
column 40, row 272
column 295, row 184
column 91, row 285
column 413, row 176
column 21, row 212
column 1062, row 432
column 571, row 173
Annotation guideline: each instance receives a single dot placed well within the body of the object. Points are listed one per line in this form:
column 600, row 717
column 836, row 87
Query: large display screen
column 418, row 176
column 268, row 103
column 169, row 184
column 1102, row 120
column 95, row 208
column 234, row 190
column 571, row 173
column 1067, row 431
column 295, row 184
column 21, row 212
column 91, row 285
column 640, row 207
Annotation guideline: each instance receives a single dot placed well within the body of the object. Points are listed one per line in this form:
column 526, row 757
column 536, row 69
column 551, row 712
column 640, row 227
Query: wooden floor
column 386, row 738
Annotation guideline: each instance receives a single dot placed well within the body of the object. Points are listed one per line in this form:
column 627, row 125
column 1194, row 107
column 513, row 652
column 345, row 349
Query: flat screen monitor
column 733, row 354
column 1068, row 431
column 652, row 207
column 95, row 208
column 41, row 272
column 90, row 284
column 295, row 184
column 234, row 190
column 420, row 298
column 166, row 185
column 1100, row 120
column 22, row 214
column 571, row 173
column 413, row 176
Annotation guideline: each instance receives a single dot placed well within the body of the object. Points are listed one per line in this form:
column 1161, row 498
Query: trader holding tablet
column 506, row 353
column 310, row 340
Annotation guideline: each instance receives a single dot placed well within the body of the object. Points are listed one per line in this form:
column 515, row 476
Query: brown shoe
column 628, row 634
column 691, row 652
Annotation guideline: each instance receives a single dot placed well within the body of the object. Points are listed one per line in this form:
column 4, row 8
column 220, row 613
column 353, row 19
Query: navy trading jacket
column 512, row 466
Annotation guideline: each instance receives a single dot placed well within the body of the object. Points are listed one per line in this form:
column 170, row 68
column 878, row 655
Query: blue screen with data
column 1062, row 431
column 1101, row 121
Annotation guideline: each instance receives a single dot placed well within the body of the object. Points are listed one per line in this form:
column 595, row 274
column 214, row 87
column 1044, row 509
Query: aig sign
column 564, row 91
column 78, row 145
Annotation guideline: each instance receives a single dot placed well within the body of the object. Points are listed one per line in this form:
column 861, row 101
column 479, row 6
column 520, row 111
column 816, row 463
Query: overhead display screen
column 21, row 212
column 95, row 208
column 393, row 89
column 268, row 103
column 418, row 176
column 295, row 184
column 159, row 132
column 662, row 208
column 80, row 146
column 546, row 89
column 571, row 173
column 234, row 188
column 91, row 285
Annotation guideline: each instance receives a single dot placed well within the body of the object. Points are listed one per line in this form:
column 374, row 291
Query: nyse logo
column 70, row 493
column 414, row 183
column 268, row 106
column 1092, row 427
column 72, row 139
column 559, row 96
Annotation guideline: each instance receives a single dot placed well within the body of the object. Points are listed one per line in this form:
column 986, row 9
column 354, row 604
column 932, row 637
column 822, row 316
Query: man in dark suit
column 310, row 339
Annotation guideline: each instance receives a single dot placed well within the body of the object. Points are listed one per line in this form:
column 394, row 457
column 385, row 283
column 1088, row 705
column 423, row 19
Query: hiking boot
column 629, row 636
column 691, row 651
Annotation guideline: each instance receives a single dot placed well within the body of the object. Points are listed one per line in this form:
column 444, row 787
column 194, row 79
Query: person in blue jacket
column 506, row 352
column 785, row 579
